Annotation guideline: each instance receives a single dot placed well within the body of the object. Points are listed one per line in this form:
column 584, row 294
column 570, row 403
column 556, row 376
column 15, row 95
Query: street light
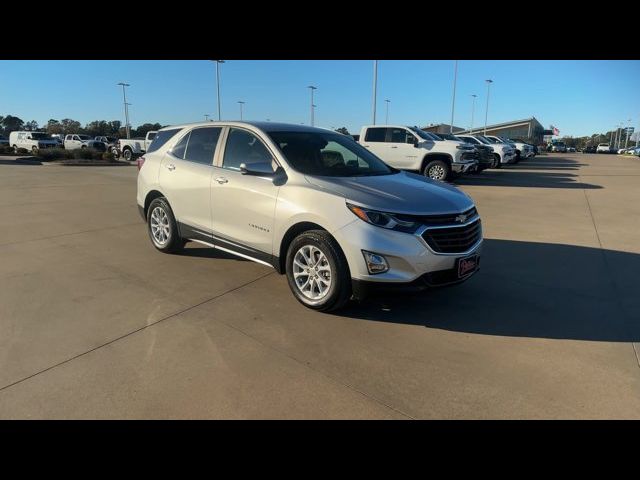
column 387, row 115
column 206, row 117
column 473, row 108
column 375, row 88
column 453, row 102
column 486, row 115
column 126, row 110
column 626, row 140
column 218, row 62
column 312, row 88
column 241, row 103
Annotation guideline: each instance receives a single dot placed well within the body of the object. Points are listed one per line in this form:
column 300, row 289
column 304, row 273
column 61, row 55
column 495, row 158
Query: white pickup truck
column 409, row 148
column 134, row 147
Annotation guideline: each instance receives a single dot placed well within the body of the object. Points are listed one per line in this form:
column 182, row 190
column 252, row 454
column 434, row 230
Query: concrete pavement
column 94, row 323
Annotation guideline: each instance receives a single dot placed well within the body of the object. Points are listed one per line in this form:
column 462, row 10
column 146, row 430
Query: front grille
column 446, row 219
column 453, row 239
column 469, row 155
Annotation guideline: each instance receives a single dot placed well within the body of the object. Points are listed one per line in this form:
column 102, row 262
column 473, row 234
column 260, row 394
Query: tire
column 127, row 154
column 437, row 170
column 168, row 240
column 34, row 150
column 496, row 163
column 115, row 152
column 15, row 149
column 323, row 248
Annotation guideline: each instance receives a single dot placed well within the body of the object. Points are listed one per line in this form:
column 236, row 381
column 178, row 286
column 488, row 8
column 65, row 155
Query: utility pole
column 126, row 109
column 241, row 103
column 473, row 107
column 375, row 88
column 218, row 62
column 486, row 115
column 386, row 120
column 626, row 141
column 453, row 102
column 312, row 88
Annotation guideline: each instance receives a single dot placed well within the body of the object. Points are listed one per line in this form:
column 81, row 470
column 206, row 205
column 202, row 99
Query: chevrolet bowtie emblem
column 461, row 218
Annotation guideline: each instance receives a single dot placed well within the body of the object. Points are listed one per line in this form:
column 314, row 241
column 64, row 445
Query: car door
column 243, row 206
column 185, row 179
column 374, row 140
column 402, row 150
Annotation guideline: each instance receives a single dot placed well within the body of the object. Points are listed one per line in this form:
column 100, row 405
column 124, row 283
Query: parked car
column 571, row 149
column 502, row 152
column 59, row 138
column 4, row 142
column 134, row 147
column 558, row 147
column 603, row 148
column 30, row 141
column 76, row 141
column 635, row 151
column 309, row 202
column 110, row 143
column 523, row 150
column 589, row 149
column 485, row 152
column 410, row 148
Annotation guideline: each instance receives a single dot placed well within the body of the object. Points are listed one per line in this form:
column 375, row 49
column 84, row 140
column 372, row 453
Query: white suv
column 309, row 202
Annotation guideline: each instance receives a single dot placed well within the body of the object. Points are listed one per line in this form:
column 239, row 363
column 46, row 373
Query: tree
column 11, row 124
column 70, row 126
column 142, row 130
column 31, row 126
column 114, row 127
column 343, row 130
column 97, row 127
column 54, row 126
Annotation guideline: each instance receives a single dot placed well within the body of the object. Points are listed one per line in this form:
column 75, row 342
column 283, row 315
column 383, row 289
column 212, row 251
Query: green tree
column 11, row 124
column 54, row 126
column 70, row 126
column 31, row 126
column 142, row 130
column 343, row 130
column 97, row 127
column 114, row 127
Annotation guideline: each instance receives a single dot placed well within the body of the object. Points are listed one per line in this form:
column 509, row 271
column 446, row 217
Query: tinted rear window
column 376, row 134
column 161, row 138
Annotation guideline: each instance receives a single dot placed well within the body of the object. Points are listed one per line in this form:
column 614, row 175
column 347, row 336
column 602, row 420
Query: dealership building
column 528, row 129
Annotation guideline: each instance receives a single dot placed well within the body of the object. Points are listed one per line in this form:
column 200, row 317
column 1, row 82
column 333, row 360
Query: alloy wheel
column 312, row 272
column 160, row 226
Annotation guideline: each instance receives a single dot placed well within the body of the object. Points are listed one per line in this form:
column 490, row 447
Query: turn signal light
column 140, row 162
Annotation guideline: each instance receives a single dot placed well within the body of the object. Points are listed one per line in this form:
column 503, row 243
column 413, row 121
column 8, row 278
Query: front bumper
column 408, row 255
column 362, row 289
column 465, row 166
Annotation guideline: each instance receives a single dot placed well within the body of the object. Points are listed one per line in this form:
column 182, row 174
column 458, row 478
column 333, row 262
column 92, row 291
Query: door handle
column 171, row 167
column 221, row 180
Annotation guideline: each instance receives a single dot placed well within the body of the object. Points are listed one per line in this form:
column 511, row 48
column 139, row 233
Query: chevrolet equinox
column 309, row 202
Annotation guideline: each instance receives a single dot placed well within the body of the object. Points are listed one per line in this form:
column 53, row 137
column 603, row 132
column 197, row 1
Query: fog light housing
column 376, row 263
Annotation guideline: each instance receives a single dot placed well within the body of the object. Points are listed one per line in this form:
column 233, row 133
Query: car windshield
column 84, row 137
column 484, row 140
column 328, row 154
column 424, row 135
column 450, row 136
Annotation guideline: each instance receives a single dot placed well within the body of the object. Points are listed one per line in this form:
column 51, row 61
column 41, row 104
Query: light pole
column 386, row 120
column 626, row 140
column 126, row 110
column 453, row 102
column 206, row 117
column 313, row 112
column 473, row 108
column 375, row 88
column 486, row 115
column 218, row 62
column 241, row 103
column 312, row 88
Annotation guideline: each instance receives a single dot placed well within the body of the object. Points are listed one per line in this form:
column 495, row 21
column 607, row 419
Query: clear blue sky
column 578, row 97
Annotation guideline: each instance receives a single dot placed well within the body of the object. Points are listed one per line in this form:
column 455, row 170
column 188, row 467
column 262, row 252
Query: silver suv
column 309, row 202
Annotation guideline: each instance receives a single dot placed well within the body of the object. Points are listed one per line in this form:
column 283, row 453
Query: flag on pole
column 556, row 131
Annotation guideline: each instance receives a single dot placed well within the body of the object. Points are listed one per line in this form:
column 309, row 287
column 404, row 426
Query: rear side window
column 400, row 135
column 161, row 138
column 375, row 134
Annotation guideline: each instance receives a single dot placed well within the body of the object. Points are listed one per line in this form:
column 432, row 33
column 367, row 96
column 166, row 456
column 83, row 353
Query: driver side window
column 244, row 147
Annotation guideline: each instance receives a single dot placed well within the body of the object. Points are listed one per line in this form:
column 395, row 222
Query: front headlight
column 386, row 220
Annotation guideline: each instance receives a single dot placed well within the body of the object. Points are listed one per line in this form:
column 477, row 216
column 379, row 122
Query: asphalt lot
column 94, row 323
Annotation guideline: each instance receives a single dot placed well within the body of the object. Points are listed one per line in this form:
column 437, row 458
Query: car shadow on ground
column 526, row 289
column 20, row 161
column 513, row 178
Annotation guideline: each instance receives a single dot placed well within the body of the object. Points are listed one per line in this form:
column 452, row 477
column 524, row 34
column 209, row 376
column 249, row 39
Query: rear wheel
column 496, row 161
column 162, row 227
column 34, row 150
column 437, row 170
column 15, row 149
column 317, row 271
column 127, row 154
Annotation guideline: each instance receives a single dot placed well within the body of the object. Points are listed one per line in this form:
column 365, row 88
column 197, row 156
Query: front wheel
column 317, row 271
column 437, row 170
column 34, row 150
column 15, row 149
column 127, row 154
column 496, row 161
column 162, row 227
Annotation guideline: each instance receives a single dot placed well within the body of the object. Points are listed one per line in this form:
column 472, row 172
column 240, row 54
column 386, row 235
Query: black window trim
column 384, row 137
column 187, row 133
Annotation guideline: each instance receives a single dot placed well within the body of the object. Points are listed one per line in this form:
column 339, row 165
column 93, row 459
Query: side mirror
column 259, row 169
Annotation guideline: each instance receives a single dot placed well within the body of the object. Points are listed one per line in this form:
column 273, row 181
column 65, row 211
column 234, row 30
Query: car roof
column 262, row 125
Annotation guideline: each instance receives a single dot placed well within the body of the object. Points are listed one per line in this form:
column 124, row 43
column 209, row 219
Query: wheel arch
column 436, row 156
column 150, row 197
column 292, row 232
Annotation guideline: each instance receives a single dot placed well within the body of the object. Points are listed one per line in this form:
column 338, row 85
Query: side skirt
column 191, row 233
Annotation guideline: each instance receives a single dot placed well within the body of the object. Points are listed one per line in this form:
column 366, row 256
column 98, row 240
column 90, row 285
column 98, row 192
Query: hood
column 402, row 192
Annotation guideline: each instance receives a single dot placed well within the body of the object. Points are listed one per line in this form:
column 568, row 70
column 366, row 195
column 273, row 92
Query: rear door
column 185, row 179
column 402, row 151
column 374, row 140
